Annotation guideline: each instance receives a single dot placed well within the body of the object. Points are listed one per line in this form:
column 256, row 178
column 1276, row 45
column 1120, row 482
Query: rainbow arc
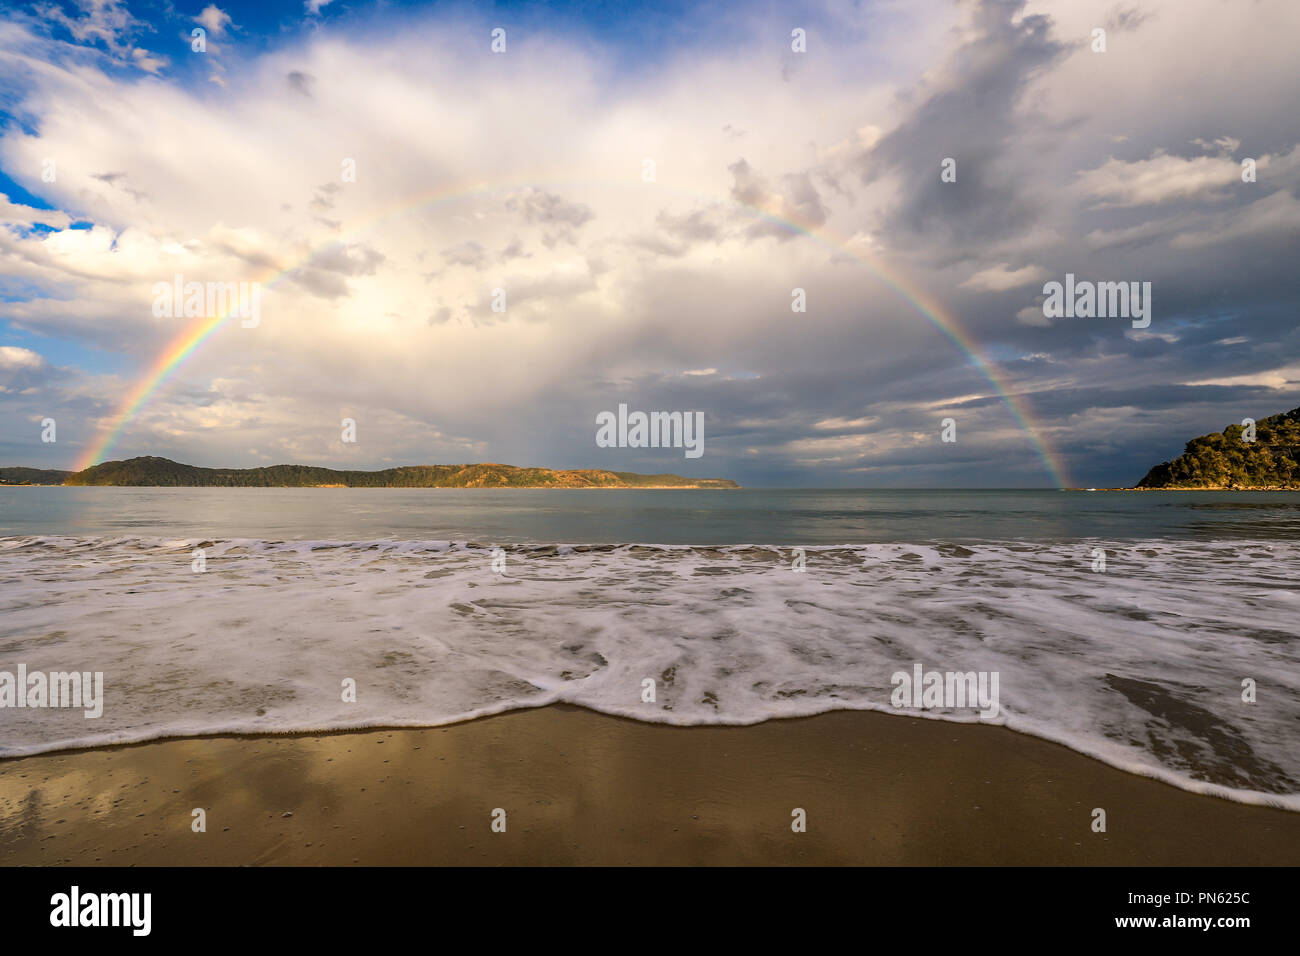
column 201, row 331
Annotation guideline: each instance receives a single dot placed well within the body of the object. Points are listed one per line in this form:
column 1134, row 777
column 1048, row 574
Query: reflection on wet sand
column 583, row 788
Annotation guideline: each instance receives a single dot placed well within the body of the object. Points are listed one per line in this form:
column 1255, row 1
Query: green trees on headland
column 1226, row 460
column 32, row 476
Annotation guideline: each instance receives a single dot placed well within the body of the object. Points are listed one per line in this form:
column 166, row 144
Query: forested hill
column 33, row 476
column 150, row 471
column 1224, row 460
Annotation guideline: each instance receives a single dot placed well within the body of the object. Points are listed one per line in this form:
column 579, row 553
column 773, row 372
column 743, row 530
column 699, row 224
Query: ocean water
column 594, row 593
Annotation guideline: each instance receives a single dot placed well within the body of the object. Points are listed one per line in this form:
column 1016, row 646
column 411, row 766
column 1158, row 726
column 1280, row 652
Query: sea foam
column 1140, row 666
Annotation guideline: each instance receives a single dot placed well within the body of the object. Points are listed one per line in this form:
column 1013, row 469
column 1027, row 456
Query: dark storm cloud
column 971, row 117
column 1032, row 191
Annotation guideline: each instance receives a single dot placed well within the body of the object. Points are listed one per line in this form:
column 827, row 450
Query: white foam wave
column 1140, row 666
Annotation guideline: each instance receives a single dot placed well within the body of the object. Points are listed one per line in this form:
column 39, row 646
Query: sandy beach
column 584, row 788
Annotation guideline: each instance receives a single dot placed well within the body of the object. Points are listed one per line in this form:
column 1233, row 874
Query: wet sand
column 583, row 788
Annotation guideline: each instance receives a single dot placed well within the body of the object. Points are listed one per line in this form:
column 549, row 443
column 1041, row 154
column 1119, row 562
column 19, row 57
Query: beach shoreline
column 583, row 788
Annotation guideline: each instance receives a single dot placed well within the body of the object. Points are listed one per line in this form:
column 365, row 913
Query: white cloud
column 999, row 278
column 13, row 357
column 1032, row 315
column 844, row 424
column 149, row 62
column 1223, row 144
column 1273, row 378
column 1275, row 215
column 16, row 214
column 214, row 20
column 1160, row 179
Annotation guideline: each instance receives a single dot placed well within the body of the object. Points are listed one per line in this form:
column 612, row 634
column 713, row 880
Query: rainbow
column 189, row 341
column 170, row 359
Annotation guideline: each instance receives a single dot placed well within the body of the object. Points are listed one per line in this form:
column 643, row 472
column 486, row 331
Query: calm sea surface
column 803, row 517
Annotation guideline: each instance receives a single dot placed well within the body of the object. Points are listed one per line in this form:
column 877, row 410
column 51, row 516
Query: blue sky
column 232, row 165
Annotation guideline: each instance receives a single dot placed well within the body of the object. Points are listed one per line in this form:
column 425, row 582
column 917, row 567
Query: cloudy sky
column 648, row 185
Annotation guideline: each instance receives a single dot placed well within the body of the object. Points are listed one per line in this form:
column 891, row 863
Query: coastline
column 410, row 487
column 1196, row 488
column 580, row 787
column 624, row 488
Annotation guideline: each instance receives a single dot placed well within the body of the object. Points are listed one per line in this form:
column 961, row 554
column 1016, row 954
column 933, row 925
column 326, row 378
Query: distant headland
column 1262, row 457
column 149, row 471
